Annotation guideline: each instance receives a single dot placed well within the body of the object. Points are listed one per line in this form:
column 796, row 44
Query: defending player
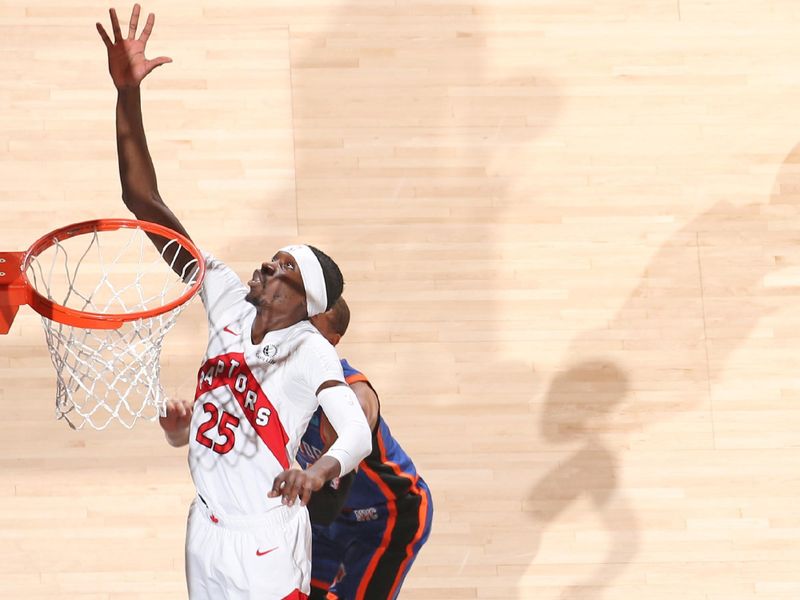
column 365, row 552
column 265, row 372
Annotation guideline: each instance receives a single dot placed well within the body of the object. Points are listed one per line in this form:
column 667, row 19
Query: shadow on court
column 578, row 405
column 741, row 259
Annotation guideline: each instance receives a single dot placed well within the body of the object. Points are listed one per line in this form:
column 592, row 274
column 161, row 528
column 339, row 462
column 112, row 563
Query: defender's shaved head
column 333, row 323
column 340, row 316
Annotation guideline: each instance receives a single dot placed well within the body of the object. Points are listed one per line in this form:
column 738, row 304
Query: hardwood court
column 570, row 235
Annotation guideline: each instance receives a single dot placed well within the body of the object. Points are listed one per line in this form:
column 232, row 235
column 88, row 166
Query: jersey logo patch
column 259, row 553
column 365, row 514
column 268, row 353
column 226, row 330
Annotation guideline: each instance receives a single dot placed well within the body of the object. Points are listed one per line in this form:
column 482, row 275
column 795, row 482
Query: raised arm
column 128, row 67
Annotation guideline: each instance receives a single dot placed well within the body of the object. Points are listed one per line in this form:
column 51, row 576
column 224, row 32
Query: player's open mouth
column 257, row 279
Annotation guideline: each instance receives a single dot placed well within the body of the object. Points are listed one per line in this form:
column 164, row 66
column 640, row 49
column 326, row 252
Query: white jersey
column 253, row 401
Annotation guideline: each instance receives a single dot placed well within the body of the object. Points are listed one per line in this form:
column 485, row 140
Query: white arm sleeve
column 354, row 441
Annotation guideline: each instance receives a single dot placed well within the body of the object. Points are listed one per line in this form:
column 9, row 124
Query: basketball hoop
column 107, row 298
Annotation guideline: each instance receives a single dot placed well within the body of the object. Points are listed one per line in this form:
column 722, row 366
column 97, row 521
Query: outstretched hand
column 126, row 61
column 295, row 484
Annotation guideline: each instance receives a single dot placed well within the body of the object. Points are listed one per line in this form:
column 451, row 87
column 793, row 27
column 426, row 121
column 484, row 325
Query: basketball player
column 365, row 552
column 265, row 372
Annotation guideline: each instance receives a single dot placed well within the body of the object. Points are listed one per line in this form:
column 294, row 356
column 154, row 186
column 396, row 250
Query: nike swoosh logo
column 229, row 331
column 259, row 553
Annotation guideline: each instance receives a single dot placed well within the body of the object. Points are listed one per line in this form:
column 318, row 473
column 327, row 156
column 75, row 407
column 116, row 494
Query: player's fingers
column 168, row 419
column 104, row 36
column 305, row 496
column 134, row 22
column 169, row 415
column 157, row 62
column 188, row 407
column 148, row 28
column 277, row 484
column 115, row 24
column 180, row 409
column 292, row 488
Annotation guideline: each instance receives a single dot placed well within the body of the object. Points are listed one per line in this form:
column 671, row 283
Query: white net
column 107, row 375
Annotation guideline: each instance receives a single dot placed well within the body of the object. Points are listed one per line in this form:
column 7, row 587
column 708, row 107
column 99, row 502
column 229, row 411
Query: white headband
column 313, row 279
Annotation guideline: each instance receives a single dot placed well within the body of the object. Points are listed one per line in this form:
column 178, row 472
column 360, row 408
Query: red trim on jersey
column 331, row 596
column 387, row 534
column 296, row 595
column 395, row 467
column 228, row 370
column 423, row 508
column 320, row 585
column 423, row 522
column 356, row 377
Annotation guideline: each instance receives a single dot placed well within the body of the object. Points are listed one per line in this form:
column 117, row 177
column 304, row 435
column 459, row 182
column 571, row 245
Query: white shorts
column 242, row 558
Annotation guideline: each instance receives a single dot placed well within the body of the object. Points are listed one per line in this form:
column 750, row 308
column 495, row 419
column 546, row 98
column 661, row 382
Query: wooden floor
column 569, row 230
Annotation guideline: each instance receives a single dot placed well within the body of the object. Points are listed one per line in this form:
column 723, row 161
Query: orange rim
column 91, row 320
